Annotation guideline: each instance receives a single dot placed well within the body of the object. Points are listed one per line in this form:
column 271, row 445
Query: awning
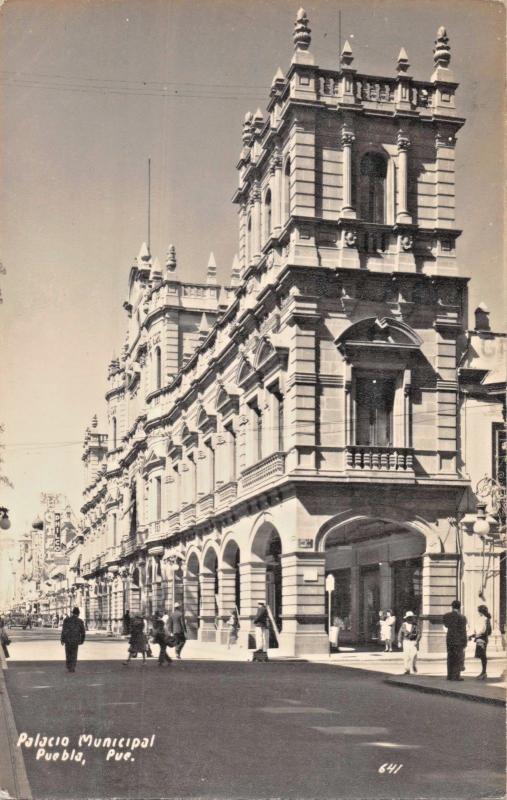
column 75, row 558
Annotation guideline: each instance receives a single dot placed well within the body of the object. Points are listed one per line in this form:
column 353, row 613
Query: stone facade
column 302, row 421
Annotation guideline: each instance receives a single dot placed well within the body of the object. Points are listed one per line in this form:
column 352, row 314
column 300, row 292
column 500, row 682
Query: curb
column 447, row 692
column 18, row 777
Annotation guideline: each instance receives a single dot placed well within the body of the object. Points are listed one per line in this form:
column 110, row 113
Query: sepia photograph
column 253, row 400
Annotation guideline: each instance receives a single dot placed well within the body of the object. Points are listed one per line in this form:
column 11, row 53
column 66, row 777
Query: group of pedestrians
column 457, row 637
column 167, row 630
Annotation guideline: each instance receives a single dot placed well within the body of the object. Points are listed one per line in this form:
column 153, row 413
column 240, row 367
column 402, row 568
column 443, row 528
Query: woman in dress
column 481, row 635
column 387, row 624
column 138, row 640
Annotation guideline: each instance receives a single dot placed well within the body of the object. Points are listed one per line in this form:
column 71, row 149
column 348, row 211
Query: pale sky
column 89, row 90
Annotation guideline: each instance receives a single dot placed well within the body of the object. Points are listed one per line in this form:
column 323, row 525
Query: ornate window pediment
column 153, row 461
column 227, row 399
column 377, row 335
column 271, row 352
column 206, row 422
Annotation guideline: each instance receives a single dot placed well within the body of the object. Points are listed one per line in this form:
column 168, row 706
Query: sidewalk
column 13, row 777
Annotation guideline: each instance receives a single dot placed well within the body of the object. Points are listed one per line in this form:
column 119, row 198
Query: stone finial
column 95, row 421
column 258, row 119
column 302, row 32
column 442, row 50
column 203, row 326
column 346, row 57
column 144, row 254
column 278, row 77
column 170, row 259
column 211, row 273
column 155, row 272
column 247, row 128
column 403, row 63
column 235, row 271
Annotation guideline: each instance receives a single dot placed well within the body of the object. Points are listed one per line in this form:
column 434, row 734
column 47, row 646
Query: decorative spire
column 278, row 77
column 302, row 32
column 144, row 254
column 442, row 50
column 203, row 326
column 258, row 119
column 155, row 272
column 247, row 129
column 403, row 62
column 211, row 274
column 346, row 57
column 95, row 421
column 235, row 271
column 170, row 259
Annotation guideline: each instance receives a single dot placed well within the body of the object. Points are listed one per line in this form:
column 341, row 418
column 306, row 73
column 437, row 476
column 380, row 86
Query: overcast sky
column 90, row 90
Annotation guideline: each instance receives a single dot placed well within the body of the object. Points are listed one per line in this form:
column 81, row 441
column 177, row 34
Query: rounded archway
column 192, row 595
column 266, row 548
column 231, row 560
column 376, row 564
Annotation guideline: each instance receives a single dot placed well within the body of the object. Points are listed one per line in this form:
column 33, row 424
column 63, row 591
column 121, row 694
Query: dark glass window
column 373, row 173
column 341, row 597
column 407, row 585
column 374, row 404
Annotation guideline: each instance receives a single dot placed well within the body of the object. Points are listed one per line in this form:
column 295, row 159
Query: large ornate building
column 304, row 421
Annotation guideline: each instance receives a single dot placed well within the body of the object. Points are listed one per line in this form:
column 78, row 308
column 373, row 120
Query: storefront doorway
column 370, row 603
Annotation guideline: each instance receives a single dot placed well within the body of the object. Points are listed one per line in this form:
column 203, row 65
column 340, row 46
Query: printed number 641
column 392, row 769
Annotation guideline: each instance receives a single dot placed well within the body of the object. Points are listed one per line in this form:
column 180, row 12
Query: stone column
column 481, row 584
column 355, row 602
column 191, row 604
column 303, row 604
column 226, row 595
column 256, row 221
column 347, row 142
column 276, row 192
column 439, row 586
column 402, row 215
column 207, row 630
column 253, row 589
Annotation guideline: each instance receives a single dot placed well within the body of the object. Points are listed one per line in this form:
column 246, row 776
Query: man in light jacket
column 177, row 626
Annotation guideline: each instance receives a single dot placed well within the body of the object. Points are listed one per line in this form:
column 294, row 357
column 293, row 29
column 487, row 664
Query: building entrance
column 370, row 603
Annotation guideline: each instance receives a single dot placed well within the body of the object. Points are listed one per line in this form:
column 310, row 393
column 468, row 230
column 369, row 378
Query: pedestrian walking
column 232, row 627
column 261, row 624
column 455, row 625
column 160, row 637
column 73, row 634
column 4, row 638
column 387, row 625
column 408, row 639
column 481, row 635
column 126, row 623
column 176, row 626
column 334, row 632
column 137, row 641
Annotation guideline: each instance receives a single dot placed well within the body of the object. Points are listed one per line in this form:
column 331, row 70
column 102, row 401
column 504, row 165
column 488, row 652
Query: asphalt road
column 236, row 730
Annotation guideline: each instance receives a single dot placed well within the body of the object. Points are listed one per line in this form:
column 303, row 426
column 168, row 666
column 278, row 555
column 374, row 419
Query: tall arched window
column 114, row 433
column 372, row 188
column 248, row 243
column 286, row 191
column 158, row 368
column 267, row 216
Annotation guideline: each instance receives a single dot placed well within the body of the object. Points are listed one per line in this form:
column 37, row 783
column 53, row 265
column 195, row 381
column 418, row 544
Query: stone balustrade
column 205, row 506
column 226, row 494
column 188, row 515
column 379, row 459
column 271, row 467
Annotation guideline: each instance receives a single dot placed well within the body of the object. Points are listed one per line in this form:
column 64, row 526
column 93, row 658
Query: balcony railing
column 227, row 493
column 270, row 467
column 173, row 522
column 205, row 505
column 188, row 515
column 129, row 546
column 379, row 459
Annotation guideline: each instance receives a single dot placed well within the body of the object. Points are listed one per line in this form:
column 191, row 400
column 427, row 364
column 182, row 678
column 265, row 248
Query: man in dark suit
column 177, row 626
column 455, row 624
column 73, row 634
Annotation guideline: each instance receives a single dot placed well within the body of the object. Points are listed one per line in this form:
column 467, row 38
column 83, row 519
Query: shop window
column 341, row 597
column 372, row 187
column 407, row 587
column 374, row 409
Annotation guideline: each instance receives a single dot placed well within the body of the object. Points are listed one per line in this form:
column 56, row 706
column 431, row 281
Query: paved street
column 249, row 730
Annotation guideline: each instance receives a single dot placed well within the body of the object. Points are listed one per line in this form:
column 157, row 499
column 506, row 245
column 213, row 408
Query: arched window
column 248, row 242
column 158, row 368
column 372, row 188
column 286, row 191
column 114, row 433
column 267, row 216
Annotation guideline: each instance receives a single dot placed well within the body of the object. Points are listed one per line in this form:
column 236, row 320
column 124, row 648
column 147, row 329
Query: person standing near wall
column 408, row 638
column 481, row 635
column 177, row 626
column 455, row 625
column 261, row 624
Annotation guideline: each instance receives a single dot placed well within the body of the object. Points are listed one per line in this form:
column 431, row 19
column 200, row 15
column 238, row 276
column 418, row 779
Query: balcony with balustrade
column 361, row 459
column 187, row 515
column 205, row 506
column 226, row 494
column 262, row 473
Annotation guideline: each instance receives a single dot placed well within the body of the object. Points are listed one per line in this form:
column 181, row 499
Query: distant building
column 308, row 420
